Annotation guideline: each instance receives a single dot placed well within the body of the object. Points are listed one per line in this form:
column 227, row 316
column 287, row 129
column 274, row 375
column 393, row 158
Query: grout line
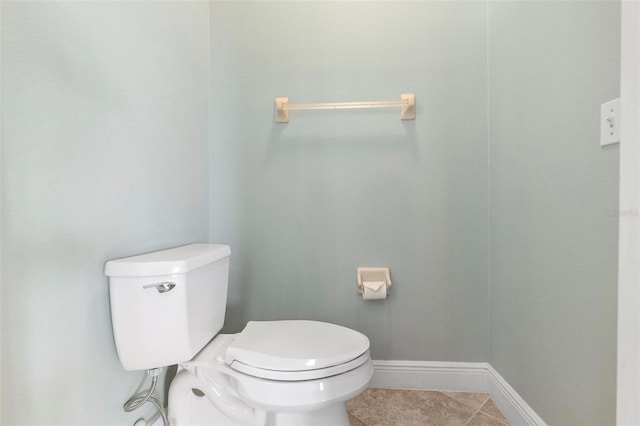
column 471, row 418
column 494, row 418
column 477, row 410
column 489, row 415
column 484, row 414
column 466, row 404
column 485, row 401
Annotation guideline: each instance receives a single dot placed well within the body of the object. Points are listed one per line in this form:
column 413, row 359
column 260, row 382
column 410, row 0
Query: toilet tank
column 166, row 305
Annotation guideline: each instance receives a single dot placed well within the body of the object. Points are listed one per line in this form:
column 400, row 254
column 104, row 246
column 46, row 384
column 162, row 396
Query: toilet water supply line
column 141, row 398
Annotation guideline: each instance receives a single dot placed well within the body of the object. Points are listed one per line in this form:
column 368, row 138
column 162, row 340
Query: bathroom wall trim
column 441, row 376
column 628, row 383
column 509, row 401
column 456, row 377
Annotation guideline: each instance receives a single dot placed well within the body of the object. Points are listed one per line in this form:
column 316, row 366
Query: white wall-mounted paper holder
column 370, row 274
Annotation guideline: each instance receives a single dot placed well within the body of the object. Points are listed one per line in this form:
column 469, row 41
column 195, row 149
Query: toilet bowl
column 167, row 308
column 280, row 373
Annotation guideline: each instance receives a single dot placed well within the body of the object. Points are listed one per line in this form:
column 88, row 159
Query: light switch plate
column 610, row 122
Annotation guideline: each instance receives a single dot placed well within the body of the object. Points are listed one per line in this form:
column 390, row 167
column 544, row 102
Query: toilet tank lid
column 177, row 260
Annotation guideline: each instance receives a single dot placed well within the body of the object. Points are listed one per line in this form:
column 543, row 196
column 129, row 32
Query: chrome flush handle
column 162, row 287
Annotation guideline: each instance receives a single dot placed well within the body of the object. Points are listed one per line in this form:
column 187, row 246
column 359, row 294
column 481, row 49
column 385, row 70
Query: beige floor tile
column 353, row 421
column 492, row 410
column 472, row 399
column 392, row 407
column 483, row 420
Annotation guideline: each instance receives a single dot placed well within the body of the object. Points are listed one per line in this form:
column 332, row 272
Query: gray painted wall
column 104, row 154
column 553, row 196
column 304, row 204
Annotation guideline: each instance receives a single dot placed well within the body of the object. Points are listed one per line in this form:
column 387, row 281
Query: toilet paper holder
column 373, row 275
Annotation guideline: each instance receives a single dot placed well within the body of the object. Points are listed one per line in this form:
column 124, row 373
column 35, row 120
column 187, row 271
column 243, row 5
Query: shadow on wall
column 341, row 135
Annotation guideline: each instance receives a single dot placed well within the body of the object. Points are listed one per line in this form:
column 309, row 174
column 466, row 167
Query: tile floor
column 399, row 407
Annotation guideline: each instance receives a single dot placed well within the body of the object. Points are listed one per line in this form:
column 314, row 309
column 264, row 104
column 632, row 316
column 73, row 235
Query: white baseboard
column 440, row 376
column 456, row 377
column 510, row 403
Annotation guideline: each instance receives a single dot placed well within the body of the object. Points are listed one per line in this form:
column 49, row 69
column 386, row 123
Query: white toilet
column 167, row 308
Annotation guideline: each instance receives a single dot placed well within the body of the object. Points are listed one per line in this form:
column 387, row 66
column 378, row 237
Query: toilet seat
column 295, row 376
column 296, row 350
